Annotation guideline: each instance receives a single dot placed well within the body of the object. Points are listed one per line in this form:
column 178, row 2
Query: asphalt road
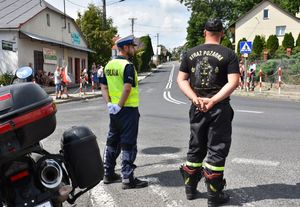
column 262, row 168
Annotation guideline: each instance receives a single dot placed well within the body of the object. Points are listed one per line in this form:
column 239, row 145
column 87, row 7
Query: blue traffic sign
column 246, row 47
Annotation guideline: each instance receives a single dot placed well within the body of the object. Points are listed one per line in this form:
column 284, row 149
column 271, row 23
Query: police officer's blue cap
column 214, row 25
column 129, row 40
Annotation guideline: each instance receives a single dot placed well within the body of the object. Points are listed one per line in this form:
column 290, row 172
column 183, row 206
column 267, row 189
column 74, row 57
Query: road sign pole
column 245, row 72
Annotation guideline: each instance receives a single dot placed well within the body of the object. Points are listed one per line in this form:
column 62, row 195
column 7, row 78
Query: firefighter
column 119, row 86
column 208, row 74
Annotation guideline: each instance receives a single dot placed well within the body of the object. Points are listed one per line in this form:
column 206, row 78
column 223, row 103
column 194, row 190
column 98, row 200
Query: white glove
column 110, row 107
column 115, row 108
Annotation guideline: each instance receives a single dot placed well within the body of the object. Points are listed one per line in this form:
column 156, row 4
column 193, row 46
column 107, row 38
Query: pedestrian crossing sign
column 246, row 47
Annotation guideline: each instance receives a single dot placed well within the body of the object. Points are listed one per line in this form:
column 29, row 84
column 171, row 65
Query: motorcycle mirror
column 24, row 72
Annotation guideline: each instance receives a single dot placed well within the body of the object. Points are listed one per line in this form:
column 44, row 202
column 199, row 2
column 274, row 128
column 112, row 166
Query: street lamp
column 104, row 10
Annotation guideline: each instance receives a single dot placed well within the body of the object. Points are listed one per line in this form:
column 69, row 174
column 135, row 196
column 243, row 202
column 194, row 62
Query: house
column 38, row 33
column 265, row 19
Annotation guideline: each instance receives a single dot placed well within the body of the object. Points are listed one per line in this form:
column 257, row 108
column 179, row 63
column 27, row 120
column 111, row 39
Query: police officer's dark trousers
column 122, row 137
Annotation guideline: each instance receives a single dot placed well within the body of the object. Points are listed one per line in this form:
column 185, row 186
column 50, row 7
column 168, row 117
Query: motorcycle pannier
column 82, row 156
column 27, row 115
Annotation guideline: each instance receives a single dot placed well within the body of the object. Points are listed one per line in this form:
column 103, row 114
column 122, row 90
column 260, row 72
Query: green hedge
column 5, row 78
column 143, row 56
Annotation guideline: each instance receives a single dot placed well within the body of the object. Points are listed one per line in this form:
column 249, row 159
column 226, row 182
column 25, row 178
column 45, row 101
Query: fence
column 290, row 72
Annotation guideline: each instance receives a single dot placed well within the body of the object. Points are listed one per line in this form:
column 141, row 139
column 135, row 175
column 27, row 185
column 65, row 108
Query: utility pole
column 157, row 42
column 104, row 13
column 132, row 24
column 65, row 15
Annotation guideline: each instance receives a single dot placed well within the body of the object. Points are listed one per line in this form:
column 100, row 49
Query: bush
column 6, row 78
column 226, row 42
column 258, row 45
column 298, row 40
column 296, row 50
column 269, row 68
column 272, row 44
column 288, row 41
column 143, row 57
column 152, row 65
column 280, row 52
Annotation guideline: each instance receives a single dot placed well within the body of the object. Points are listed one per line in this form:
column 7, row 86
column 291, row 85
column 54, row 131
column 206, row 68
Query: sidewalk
column 287, row 92
column 74, row 93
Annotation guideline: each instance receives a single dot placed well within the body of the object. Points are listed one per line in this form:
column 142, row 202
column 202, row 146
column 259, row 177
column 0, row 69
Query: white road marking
column 169, row 155
column 253, row 112
column 87, row 108
column 167, row 94
column 167, row 98
column 159, row 191
column 255, row 162
column 99, row 197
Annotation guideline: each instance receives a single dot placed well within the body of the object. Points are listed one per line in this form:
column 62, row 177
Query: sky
column 167, row 18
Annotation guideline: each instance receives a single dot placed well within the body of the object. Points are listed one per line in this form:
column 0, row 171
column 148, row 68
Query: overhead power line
column 76, row 4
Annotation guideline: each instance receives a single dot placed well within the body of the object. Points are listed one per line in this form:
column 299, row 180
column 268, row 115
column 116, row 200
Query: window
column 266, row 13
column 69, row 27
column 280, row 30
column 70, row 65
column 48, row 19
column 83, row 63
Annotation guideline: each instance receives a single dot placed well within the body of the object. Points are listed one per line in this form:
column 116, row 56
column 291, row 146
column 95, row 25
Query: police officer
column 208, row 74
column 119, row 86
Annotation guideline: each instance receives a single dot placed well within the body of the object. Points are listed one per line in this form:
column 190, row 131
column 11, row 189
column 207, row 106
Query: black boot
column 215, row 185
column 191, row 177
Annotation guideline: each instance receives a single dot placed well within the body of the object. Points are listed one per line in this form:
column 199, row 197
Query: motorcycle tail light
column 28, row 118
column 19, row 176
column 5, row 97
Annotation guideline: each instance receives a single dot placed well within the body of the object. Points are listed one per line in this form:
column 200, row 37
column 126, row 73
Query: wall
column 56, row 31
column 8, row 59
column 26, row 54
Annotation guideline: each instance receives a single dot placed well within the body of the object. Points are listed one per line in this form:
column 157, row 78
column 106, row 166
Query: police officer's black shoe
column 191, row 177
column 134, row 183
column 113, row 178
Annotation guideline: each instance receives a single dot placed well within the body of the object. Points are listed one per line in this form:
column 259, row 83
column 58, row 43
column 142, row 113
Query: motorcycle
column 29, row 175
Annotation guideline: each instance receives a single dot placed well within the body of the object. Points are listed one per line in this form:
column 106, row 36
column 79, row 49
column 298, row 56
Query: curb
column 268, row 95
column 92, row 96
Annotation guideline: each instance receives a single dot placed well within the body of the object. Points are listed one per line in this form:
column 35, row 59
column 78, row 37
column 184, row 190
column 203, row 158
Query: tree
column 298, row 40
column 226, row 42
column 201, row 12
column 98, row 38
column 272, row 44
column 288, row 41
column 145, row 54
column 258, row 45
column 291, row 6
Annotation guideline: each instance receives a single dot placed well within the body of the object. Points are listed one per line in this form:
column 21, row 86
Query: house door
column 38, row 61
column 77, row 70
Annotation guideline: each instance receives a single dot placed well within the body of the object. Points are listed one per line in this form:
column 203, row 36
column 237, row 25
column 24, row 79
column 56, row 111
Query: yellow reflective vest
column 114, row 72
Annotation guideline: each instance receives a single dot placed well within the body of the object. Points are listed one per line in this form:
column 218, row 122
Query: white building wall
column 26, row 55
column 38, row 25
column 254, row 24
column 8, row 59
